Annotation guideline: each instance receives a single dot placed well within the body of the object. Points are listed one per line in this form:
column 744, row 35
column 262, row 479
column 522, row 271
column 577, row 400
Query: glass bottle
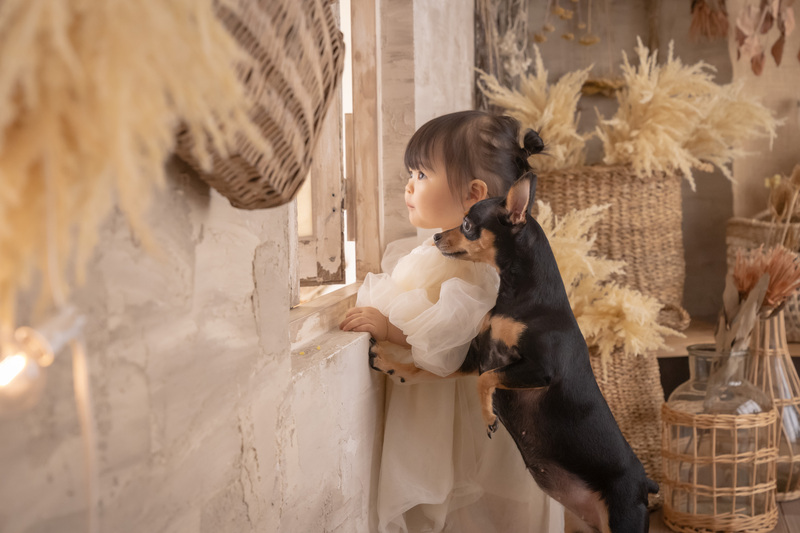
column 770, row 368
column 718, row 447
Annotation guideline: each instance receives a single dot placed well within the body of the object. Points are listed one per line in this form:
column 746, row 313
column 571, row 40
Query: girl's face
column 430, row 203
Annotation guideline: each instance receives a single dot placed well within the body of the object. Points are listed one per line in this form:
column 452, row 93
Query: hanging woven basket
column 295, row 60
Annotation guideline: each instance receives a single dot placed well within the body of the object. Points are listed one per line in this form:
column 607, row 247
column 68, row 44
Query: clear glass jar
column 719, row 448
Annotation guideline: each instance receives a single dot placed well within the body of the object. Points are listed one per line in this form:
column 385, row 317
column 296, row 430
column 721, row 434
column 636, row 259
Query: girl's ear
column 477, row 191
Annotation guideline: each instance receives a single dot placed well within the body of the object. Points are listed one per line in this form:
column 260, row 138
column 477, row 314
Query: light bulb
column 11, row 367
column 25, row 356
column 21, row 383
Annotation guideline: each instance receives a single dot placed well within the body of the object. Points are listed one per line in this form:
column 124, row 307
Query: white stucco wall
column 205, row 420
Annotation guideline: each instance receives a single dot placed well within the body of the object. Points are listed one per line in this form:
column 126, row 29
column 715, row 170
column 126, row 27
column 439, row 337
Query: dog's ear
column 519, row 199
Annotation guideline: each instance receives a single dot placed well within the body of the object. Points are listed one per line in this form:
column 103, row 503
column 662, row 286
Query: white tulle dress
column 439, row 470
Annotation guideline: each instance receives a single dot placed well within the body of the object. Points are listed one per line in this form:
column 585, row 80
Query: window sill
column 313, row 319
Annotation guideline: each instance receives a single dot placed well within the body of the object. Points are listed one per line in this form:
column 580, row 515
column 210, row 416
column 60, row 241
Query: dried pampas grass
column 549, row 110
column 611, row 317
column 91, row 93
column 673, row 117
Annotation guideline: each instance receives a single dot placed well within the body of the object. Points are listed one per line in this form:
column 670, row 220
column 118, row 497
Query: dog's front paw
column 378, row 362
column 491, row 427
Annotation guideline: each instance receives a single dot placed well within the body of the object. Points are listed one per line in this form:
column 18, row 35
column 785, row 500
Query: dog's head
column 490, row 228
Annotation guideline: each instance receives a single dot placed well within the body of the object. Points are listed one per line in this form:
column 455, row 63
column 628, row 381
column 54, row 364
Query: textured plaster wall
column 205, row 421
column 706, row 210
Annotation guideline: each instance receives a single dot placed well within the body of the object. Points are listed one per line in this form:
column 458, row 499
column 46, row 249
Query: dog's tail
column 652, row 486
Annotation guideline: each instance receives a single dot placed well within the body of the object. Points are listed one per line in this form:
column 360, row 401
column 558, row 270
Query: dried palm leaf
column 781, row 264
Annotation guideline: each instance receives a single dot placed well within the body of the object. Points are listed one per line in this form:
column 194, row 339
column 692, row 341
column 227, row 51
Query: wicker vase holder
column 295, row 58
column 698, row 450
column 632, row 389
column 642, row 227
column 748, row 233
column 770, row 368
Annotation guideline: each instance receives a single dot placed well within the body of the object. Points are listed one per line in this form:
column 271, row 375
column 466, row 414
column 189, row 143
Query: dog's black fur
column 534, row 371
column 563, row 427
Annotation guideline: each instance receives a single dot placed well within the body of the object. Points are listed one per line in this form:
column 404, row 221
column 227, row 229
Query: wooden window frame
column 363, row 185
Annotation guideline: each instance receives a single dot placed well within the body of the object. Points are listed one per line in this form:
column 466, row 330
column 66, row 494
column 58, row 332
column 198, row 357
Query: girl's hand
column 366, row 319
column 371, row 320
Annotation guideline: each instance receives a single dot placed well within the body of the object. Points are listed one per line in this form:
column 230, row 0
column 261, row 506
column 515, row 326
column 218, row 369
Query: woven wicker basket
column 295, row 61
column 749, row 233
column 632, row 389
column 642, row 226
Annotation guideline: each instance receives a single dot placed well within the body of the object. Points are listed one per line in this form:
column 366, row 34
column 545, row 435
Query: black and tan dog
column 535, row 375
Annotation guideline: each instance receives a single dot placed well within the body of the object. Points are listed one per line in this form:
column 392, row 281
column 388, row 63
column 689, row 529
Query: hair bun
column 532, row 144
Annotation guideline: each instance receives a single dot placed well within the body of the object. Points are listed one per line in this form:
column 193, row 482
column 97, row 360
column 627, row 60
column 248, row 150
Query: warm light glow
column 10, row 367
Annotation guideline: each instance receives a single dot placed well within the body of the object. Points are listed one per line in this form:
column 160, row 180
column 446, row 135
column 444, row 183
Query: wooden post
column 366, row 136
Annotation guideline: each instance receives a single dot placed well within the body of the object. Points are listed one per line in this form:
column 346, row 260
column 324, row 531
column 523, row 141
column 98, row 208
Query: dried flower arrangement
column 709, row 20
column 610, row 316
column 90, row 98
column 548, row 109
column 781, row 264
column 671, row 117
column 783, row 194
column 752, row 25
column 577, row 18
column 761, row 282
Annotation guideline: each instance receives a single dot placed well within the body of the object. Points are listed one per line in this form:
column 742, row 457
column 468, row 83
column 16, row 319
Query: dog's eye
column 466, row 226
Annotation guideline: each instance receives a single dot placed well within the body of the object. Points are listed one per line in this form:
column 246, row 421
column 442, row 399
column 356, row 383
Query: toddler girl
column 439, row 471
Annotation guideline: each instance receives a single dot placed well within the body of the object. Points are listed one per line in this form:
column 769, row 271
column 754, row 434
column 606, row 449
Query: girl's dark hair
column 470, row 145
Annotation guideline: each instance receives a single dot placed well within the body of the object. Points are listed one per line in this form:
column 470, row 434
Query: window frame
column 363, row 185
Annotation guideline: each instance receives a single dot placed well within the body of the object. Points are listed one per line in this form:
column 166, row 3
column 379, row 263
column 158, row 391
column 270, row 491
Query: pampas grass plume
column 91, row 95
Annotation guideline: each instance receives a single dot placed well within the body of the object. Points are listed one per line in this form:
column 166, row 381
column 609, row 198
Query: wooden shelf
column 700, row 332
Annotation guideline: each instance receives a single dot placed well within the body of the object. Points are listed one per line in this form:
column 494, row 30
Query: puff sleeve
column 437, row 302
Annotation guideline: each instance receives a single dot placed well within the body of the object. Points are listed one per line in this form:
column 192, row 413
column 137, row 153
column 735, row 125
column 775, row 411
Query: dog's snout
column 437, row 237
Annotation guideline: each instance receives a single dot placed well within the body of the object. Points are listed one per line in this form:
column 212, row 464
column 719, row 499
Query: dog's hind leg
column 490, row 381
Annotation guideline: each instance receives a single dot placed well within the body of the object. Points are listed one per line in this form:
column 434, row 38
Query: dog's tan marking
column 506, row 329
column 481, row 250
column 487, row 384
column 403, row 372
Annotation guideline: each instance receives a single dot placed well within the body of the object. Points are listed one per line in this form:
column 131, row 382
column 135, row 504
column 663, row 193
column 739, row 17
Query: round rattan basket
column 642, row 227
column 295, row 57
column 632, row 389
